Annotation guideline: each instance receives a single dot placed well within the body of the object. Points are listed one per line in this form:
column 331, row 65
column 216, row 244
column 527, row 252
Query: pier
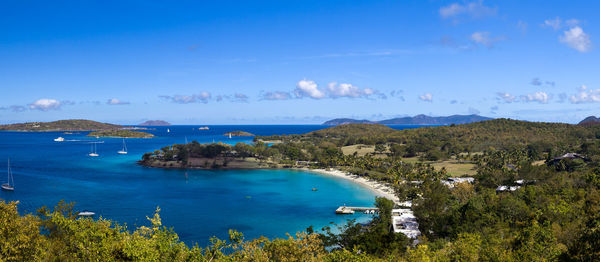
column 350, row 210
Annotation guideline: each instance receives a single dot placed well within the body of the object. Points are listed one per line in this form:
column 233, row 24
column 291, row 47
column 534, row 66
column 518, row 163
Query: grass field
column 453, row 167
column 456, row 169
column 361, row 150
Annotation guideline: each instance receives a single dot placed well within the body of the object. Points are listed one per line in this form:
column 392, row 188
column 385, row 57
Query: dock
column 350, row 210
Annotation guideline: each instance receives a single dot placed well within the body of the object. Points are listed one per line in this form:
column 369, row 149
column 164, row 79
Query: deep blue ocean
column 198, row 206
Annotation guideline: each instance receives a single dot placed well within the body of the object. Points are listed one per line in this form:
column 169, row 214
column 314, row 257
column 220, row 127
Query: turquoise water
column 198, row 205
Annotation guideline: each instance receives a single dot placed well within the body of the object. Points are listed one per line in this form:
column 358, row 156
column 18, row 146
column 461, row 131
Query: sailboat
column 93, row 153
column 8, row 186
column 124, row 150
column 168, row 130
column 229, row 135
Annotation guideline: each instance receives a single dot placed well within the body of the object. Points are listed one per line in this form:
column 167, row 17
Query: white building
column 405, row 222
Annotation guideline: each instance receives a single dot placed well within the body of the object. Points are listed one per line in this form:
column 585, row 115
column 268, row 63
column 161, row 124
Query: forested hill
column 61, row 125
column 474, row 137
column 416, row 120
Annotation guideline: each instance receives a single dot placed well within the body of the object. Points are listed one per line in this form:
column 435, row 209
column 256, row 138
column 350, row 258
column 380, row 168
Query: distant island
column 61, row 125
column 120, row 134
column 590, row 120
column 155, row 123
column 416, row 120
column 239, row 133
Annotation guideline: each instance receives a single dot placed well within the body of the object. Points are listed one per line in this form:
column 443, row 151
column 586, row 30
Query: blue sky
column 297, row 62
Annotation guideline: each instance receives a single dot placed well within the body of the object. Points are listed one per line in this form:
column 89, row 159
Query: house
column 507, row 188
column 451, row 181
column 571, row 156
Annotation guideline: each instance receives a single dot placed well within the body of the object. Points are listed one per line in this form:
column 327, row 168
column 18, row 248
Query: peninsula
column 61, row 125
column 120, row 134
column 206, row 156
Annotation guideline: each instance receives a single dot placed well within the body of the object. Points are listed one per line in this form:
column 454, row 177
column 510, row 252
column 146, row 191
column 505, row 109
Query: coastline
column 380, row 189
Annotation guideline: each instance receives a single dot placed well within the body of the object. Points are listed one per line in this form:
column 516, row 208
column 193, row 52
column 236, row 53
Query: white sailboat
column 168, row 130
column 8, row 185
column 124, row 150
column 59, row 139
column 93, row 153
column 229, row 135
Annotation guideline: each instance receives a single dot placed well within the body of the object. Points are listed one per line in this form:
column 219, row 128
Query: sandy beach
column 380, row 189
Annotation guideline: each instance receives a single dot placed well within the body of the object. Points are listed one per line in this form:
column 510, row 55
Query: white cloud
column 572, row 22
column 45, row 104
column 275, row 96
column 308, row 88
column 555, row 23
column 237, row 97
column 506, row 97
column 540, row 97
column 473, row 9
column 203, row 97
column 114, row 101
column 347, row 90
column 485, row 38
column 576, row 39
column 428, row 97
column 585, row 96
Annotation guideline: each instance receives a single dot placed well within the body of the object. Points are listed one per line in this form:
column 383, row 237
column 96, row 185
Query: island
column 155, row 123
column 238, row 133
column 60, row 125
column 120, row 134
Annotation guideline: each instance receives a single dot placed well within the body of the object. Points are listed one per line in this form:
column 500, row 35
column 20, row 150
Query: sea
column 197, row 204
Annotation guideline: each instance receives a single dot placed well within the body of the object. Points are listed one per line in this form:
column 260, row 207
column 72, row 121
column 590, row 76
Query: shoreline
column 380, row 189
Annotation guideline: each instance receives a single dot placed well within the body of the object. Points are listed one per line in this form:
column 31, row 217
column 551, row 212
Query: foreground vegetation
column 554, row 214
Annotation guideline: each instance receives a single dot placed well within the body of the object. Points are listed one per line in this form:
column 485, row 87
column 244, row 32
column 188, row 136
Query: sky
column 297, row 62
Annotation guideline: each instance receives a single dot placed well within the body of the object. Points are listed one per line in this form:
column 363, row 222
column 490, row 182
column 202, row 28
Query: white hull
column 122, row 152
column 7, row 187
column 86, row 214
column 93, row 154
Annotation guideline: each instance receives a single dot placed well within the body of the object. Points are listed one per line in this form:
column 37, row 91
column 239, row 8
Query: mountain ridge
column 415, row 120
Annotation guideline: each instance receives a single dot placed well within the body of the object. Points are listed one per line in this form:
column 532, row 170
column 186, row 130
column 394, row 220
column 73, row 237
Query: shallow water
column 202, row 204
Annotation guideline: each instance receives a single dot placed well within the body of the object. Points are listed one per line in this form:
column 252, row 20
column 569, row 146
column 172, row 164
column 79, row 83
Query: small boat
column 86, row 213
column 203, row 128
column 168, row 130
column 59, row 139
column 8, row 186
column 314, row 189
column 229, row 135
column 124, row 150
column 93, row 153
column 366, row 212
